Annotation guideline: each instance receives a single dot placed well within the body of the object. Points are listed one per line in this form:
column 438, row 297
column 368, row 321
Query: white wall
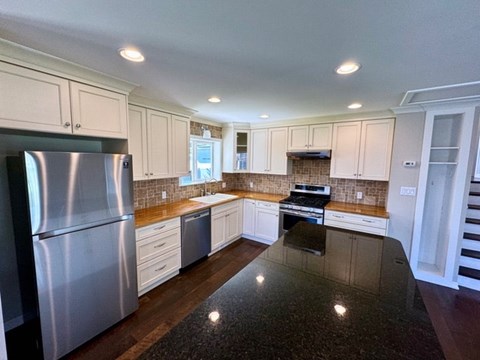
column 407, row 145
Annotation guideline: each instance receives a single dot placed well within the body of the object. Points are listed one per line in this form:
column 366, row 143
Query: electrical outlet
column 224, row 185
column 408, row 191
column 164, row 195
column 251, row 184
column 359, row 195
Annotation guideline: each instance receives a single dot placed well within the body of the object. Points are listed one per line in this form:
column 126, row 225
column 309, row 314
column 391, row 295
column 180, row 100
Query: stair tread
column 471, row 236
column 471, row 253
column 472, row 221
column 471, row 273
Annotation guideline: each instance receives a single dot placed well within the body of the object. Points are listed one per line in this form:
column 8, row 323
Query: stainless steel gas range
column 305, row 203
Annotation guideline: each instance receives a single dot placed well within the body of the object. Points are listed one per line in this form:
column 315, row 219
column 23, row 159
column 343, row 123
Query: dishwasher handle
column 196, row 216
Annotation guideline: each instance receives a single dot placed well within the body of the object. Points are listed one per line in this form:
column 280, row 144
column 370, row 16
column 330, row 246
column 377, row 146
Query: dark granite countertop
column 349, row 296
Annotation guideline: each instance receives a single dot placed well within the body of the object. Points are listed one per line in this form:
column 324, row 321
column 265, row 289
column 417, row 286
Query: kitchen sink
column 212, row 199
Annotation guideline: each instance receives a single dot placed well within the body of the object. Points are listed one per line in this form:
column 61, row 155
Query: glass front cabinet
column 236, row 149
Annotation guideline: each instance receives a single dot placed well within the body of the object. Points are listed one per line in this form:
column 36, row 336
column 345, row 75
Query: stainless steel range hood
column 321, row 154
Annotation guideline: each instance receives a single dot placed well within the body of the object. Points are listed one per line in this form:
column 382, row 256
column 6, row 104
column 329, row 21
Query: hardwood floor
column 455, row 314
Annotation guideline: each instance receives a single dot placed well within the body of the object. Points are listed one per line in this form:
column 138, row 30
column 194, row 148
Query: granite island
column 317, row 293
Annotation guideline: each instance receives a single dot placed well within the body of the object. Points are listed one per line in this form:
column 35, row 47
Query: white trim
column 411, row 93
column 170, row 108
column 469, row 282
column 469, row 262
column 3, row 345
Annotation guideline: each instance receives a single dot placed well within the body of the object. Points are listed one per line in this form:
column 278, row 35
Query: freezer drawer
column 86, row 282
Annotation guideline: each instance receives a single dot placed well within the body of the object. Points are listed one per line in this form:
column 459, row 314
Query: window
column 205, row 161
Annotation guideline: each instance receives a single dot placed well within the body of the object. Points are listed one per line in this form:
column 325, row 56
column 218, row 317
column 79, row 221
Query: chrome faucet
column 209, row 181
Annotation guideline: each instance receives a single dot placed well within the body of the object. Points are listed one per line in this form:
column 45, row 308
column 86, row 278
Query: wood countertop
column 148, row 216
column 360, row 209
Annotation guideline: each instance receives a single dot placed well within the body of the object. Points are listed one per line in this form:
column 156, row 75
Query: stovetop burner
column 299, row 200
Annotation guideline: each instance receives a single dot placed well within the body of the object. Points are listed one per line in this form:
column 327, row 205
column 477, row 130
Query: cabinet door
column 366, row 263
column 266, row 224
column 376, row 149
column 345, row 150
column 98, row 112
column 242, row 146
column 137, row 141
column 249, row 217
column 277, row 151
column 338, row 256
column 320, row 137
column 33, row 101
column 180, row 146
column 298, row 138
column 232, row 221
column 158, row 142
column 259, row 150
column 218, row 230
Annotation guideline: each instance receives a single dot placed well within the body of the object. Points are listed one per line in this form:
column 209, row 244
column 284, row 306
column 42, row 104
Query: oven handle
column 301, row 214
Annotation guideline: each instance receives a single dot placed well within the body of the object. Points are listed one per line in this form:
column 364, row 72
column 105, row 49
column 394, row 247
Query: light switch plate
column 224, row 185
column 359, row 195
column 164, row 194
column 408, row 191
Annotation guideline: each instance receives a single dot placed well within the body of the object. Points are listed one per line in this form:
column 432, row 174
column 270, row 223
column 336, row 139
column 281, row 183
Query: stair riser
column 473, row 214
column 474, row 200
column 470, row 263
column 472, row 228
column 471, row 244
column 475, row 187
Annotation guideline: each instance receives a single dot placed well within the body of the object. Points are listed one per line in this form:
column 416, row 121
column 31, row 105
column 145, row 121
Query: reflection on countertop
column 357, row 299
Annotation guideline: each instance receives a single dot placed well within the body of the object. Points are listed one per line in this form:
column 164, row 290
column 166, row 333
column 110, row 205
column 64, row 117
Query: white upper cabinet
column 35, row 101
column 310, row 137
column 236, row 150
column 98, row 112
column 159, row 143
column 269, row 148
column 362, row 149
column 31, row 100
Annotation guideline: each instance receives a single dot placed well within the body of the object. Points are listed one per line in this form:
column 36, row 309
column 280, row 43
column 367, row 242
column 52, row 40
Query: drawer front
column 267, row 205
column 225, row 207
column 156, row 245
column 157, row 228
column 155, row 269
column 362, row 220
column 355, row 227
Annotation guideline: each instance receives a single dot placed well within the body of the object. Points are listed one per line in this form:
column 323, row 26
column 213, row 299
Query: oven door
column 288, row 218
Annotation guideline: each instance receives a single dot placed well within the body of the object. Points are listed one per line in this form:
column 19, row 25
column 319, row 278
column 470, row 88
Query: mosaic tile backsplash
column 148, row 193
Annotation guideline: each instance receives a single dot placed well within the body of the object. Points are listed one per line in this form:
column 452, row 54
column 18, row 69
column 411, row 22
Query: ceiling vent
column 465, row 91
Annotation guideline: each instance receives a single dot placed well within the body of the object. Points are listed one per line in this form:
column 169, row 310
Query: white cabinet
column 362, row 150
column 443, row 188
column 310, row 137
column 159, row 143
column 226, row 224
column 269, row 151
column 35, row 101
column 236, row 150
column 368, row 224
column 261, row 221
column 158, row 253
column 98, row 112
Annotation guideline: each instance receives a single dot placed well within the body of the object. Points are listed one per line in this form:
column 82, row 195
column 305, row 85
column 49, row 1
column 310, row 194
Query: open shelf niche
column 442, row 186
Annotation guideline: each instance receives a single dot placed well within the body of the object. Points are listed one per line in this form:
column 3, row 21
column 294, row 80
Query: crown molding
column 160, row 105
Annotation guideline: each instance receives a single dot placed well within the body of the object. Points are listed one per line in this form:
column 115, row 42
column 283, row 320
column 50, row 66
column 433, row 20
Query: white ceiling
column 260, row 56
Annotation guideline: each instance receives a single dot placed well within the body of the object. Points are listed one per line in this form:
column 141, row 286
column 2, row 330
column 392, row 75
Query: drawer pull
column 367, row 221
column 159, row 227
column 160, row 269
column 337, row 216
column 159, row 246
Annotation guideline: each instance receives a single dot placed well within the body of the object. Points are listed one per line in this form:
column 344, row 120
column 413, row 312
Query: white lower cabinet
column 261, row 221
column 226, row 224
column 158, row 253
column 368, row 224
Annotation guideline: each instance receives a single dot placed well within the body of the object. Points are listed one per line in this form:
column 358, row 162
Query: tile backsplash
column 148, row 193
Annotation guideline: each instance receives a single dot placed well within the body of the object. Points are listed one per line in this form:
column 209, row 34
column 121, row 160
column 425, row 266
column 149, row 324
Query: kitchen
column 407, row 146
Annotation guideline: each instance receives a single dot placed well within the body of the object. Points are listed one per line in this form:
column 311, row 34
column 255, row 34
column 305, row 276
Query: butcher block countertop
column 148, row 216
column 369, row 210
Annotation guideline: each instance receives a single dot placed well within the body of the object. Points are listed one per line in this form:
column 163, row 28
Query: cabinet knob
column 354, row 174
column 151, row 173
column 306, row 145
column 67, row 124
column 146, row 174
column 78, row 126
column 359, row 174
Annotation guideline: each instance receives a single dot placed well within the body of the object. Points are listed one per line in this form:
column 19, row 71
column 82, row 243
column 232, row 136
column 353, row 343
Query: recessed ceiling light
column 214, row 99
column 131, row 54
column 355, row 106
column 264, row 116
column 347, row 68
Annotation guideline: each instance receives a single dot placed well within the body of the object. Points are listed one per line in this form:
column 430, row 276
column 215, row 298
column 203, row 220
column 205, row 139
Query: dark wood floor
column 455, row 314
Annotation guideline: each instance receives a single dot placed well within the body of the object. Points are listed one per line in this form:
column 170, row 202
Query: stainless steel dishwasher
column 196, row 236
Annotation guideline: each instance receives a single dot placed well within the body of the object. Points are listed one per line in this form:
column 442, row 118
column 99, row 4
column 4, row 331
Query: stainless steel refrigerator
column 74, row 211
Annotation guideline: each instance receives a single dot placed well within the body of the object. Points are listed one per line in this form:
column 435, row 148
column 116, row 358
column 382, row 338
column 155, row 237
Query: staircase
column 469, row 264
